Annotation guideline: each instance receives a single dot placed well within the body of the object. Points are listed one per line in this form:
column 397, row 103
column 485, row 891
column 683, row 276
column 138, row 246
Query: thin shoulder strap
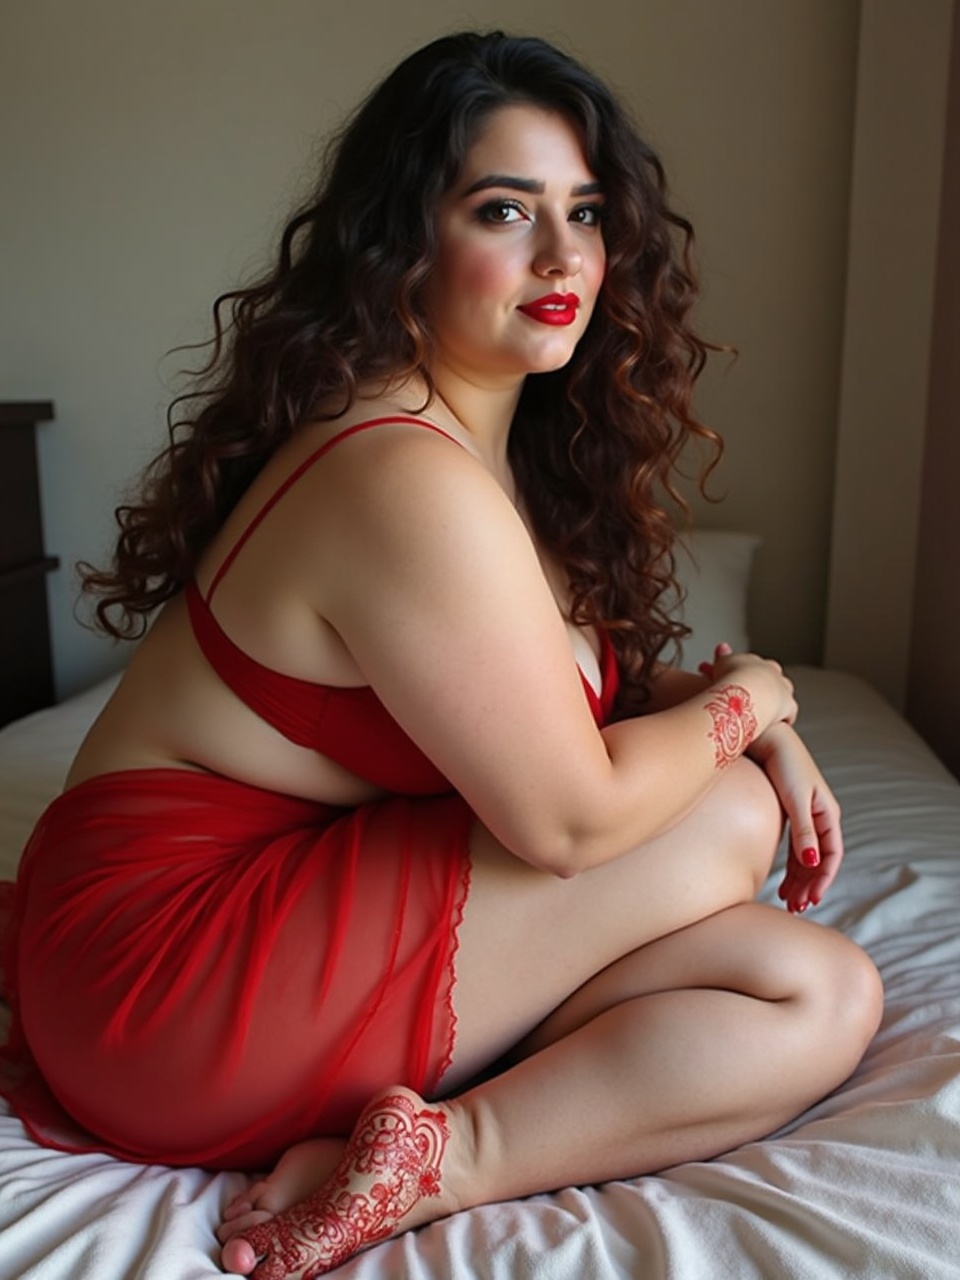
column 295, row 475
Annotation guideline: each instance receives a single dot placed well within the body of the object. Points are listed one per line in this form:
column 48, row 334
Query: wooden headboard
column 26, row 669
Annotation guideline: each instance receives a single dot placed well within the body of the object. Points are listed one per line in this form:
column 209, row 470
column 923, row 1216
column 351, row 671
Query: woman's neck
column 483, row 415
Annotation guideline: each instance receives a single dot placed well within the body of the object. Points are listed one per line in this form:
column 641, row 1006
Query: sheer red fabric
column 206, row 973
column 202, row 972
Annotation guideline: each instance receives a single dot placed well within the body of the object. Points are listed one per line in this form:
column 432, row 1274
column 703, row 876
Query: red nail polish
column 810, row 857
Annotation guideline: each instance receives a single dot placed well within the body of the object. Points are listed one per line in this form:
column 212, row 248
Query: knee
column 860, row 995
column 752, row 819
column 846, row 997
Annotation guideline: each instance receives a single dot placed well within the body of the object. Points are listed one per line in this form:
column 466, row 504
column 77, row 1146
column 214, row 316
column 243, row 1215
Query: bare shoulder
column 402, row 515
column 393, row 470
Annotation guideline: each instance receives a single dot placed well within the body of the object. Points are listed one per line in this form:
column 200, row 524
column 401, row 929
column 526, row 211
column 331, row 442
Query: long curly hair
column 595, row 446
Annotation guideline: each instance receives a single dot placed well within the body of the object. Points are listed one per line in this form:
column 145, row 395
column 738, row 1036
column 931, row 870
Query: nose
column 557, row 254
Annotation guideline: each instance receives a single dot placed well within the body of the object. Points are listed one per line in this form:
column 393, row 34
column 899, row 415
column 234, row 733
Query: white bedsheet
column 865, row 1184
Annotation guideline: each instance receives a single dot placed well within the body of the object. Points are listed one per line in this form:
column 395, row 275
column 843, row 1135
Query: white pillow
column 713, row 569
column 35, row 754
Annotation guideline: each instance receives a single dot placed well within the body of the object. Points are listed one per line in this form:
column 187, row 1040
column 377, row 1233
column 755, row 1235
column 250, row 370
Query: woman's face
column 520, row 257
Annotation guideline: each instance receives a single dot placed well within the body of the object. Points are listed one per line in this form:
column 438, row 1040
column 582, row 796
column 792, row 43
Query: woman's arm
column 810, row 807
column 430, row 577
column 816, row 839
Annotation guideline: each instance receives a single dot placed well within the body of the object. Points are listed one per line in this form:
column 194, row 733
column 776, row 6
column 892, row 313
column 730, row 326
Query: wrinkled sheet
column 864, row 1184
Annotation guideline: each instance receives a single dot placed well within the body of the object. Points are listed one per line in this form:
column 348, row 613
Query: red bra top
column 349, row 725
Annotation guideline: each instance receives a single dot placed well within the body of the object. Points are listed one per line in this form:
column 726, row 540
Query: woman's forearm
column 659, row 766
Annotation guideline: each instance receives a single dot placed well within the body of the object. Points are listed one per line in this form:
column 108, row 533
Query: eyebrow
column 529, row 185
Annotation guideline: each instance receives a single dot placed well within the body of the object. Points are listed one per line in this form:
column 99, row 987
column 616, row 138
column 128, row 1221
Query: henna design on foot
column 734, row 723
column 392, row 1161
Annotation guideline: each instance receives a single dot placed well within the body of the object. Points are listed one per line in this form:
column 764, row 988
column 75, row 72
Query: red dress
column 203, row 972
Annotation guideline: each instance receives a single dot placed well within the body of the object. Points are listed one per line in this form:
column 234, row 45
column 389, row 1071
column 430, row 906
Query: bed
column 866, row 1183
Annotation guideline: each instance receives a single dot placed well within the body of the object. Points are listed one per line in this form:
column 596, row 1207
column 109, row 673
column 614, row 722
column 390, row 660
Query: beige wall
column 933, row 689
column 148, row 152
column 891, row 277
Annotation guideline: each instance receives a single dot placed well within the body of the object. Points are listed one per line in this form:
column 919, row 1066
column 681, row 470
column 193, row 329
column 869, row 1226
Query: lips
column 554, row 308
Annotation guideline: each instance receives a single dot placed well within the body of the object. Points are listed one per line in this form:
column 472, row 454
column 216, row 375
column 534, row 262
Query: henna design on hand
column 734, row 723
column 397, row 1146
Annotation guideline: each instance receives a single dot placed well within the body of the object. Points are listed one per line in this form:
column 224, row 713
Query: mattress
column 864, row 1184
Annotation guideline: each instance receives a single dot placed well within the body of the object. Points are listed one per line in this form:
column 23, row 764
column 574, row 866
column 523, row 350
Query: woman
column 398, row 854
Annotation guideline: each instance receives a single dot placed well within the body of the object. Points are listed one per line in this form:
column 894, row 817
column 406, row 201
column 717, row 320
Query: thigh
column 751, row 949
column 529, row 939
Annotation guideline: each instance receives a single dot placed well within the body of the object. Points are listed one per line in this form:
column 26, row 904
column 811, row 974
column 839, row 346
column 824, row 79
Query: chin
column 542, row 357
column 549, row 362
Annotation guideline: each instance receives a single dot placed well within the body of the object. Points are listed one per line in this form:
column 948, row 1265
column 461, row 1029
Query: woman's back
column 284, row 545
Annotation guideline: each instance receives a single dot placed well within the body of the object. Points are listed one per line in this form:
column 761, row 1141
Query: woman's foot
column 387, row 1180
column 298, row 1173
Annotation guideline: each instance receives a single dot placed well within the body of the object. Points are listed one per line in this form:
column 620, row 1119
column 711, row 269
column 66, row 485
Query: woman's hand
column 772, row 691
column 816, row 841
column 813, row 814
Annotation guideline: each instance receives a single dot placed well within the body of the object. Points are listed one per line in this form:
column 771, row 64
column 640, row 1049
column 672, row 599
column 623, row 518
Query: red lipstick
column 553, row 308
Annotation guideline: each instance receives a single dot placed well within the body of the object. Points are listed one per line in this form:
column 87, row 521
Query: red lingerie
column 350, row 725
column 202, row 972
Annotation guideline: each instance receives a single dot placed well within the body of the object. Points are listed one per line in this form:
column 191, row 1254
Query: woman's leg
column 529, row 940
column 693, row 1045
column 659, row 1021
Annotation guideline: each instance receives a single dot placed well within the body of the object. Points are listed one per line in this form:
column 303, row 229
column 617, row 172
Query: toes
column 238, row 1256
column 238, row 1226
column 246, row 1200
column 277, row 1200
column 257, row 1190
column 238, row 1205
column 270, row 1269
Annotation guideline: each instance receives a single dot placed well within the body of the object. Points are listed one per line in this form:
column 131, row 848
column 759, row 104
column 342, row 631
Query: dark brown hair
column 595, row 446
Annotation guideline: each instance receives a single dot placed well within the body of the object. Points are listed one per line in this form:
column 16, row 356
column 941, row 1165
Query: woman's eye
column 587, row 215
column 501, row 211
